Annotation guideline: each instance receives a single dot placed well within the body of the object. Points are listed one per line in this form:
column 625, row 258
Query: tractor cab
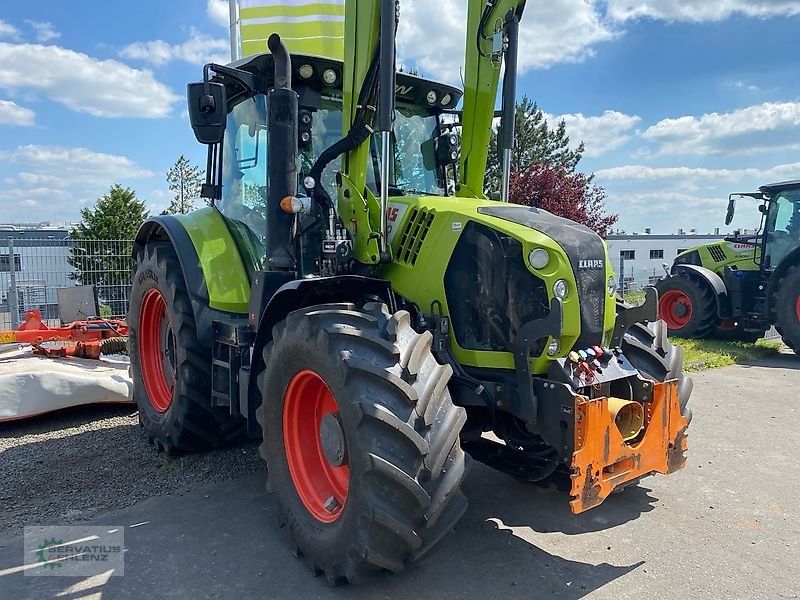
column 422, row 143
column 781, row 223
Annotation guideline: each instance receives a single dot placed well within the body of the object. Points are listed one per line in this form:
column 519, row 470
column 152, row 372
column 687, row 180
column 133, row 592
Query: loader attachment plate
column 602, row 461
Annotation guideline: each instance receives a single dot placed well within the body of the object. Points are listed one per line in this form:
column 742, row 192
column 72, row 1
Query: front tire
column 368, row 480
column 687, row 305
column 170, row 366
column 649, row 349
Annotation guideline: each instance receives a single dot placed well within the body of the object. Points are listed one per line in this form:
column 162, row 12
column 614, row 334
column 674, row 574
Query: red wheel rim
column 675, row 307
column 322, row 487
column 156, row 350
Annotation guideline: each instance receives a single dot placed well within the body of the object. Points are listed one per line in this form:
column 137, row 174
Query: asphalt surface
column 728, row 526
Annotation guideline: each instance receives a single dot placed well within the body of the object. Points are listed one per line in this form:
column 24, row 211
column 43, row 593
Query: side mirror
column 207, row 111
column 731, row 210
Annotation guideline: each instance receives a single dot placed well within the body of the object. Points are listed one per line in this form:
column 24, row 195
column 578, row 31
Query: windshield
column 414, row 168
column 783, row 226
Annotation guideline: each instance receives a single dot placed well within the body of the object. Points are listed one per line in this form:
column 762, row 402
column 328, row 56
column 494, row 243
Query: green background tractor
column 739, row 287
column 352, row 298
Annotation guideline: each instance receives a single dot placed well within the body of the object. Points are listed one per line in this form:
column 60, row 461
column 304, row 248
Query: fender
column 711, row 279
column 207, row 305
column 301, row 293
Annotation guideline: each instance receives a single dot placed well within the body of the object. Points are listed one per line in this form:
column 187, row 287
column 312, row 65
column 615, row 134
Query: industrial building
column 641, row 257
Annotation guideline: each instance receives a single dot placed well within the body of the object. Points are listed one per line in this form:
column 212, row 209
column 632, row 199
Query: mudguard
column 711, row 279
column 211, row 263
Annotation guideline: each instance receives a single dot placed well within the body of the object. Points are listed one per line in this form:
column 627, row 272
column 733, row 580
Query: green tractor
column 354, row 300
column 739, row 287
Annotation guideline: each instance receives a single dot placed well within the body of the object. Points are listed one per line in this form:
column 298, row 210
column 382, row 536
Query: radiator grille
column 717, row 253
column 413, row 236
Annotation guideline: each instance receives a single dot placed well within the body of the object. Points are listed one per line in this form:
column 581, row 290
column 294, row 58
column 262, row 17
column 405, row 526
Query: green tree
column 101, row 247
column 536, row 143
column 185, row 181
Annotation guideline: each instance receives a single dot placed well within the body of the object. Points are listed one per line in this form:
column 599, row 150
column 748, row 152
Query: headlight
column 329, row 76
column 432, row 97
column 554, row 348
column 306, row 71
column 539, row 258
column 560, row 289
column 612, row 286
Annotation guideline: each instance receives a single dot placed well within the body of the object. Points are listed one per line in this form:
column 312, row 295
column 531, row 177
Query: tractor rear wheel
column 170, row 366
column 787, row 308
column 361, row 439
column 687, row 305
column 648, row 349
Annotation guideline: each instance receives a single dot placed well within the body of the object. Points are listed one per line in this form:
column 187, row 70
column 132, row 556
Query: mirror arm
column 247, row 80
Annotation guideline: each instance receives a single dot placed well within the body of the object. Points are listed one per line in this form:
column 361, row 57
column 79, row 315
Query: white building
column 642, row 256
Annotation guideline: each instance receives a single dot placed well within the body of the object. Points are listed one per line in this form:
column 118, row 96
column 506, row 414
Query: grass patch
column 702, row 355
column 634, row 297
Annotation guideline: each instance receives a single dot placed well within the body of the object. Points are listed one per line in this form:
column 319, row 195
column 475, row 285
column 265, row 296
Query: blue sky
column 679, row 102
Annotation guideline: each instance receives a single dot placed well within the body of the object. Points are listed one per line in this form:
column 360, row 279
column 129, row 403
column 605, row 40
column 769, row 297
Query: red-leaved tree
column 564, row 193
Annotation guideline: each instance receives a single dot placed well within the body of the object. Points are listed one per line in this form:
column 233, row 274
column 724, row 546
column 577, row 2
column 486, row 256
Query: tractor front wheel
column 787, row 308
column 170, row 366
column 687, row 306
column 648, row 349
column 361, row 439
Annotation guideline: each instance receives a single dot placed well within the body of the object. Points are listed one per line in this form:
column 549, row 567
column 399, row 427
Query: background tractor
column 741, row 286
column 353, row 299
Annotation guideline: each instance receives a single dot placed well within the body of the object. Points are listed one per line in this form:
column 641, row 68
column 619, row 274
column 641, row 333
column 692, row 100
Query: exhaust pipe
column 282, row 151
column 628, row 417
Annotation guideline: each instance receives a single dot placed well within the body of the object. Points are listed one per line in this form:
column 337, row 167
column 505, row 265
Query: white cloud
column 431, row 35
column 7, row 30
column 600, row 134
column 44, row 31
column 198, row 49
column 13, row 114
column 61, row 180
column 692, row 176
column 73, row 166
column 699, row 10
column 756, row 128
column 219, row 12
column 102, row 88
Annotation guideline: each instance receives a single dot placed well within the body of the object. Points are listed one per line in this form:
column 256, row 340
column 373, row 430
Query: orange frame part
column 35, row 331
column 602, row 461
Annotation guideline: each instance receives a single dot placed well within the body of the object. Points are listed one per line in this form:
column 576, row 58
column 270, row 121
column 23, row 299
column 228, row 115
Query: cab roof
column 410, row 88
column 773, row 188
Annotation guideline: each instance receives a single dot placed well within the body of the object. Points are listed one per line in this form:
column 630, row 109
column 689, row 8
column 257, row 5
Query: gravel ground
column 69, row 465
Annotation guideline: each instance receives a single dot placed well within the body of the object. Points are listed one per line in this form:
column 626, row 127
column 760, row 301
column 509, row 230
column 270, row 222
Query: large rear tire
column 648, row 349
column 787, row 308
column 169, row 365
column 361, row 439
column 687, row 305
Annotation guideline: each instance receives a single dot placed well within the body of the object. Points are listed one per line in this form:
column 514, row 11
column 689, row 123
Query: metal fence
column 33, row 269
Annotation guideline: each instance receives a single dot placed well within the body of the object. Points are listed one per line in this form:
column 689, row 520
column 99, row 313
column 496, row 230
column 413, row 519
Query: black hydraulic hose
column 358, row 134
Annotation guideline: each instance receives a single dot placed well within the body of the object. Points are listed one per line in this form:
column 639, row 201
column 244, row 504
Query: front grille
column 717, row 253
column 490, row 292
column 413, row 236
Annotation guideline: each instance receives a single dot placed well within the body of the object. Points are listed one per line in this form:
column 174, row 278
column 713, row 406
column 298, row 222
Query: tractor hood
column 493, row 267
column 586, row 253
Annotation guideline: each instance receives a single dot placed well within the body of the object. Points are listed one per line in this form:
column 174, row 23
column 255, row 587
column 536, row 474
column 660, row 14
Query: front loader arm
column 484, row 52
